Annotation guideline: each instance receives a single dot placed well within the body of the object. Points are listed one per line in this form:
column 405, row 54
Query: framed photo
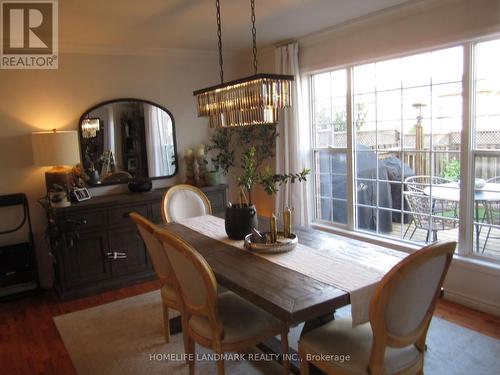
column 81, row 194
column 132, row 164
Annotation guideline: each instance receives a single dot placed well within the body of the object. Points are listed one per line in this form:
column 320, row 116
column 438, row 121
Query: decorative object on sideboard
column 254, row 100
column 59, row 150
column 80, row 194
column 189, row 158
column 59, row 196
column 127, row 135
column 201, row 166
column 140, row 185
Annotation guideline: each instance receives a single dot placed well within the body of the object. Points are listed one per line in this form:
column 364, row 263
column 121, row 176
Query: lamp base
column 61, row 176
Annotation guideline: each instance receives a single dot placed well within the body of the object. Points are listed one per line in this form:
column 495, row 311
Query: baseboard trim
column 473, row 303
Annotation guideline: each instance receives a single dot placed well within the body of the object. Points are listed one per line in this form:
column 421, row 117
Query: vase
column 212, row 178
column 240, row 221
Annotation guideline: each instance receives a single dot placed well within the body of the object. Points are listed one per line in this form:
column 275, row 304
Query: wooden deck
column 492, row 249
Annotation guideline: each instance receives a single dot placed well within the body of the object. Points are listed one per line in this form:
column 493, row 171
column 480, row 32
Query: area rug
column 125, row 337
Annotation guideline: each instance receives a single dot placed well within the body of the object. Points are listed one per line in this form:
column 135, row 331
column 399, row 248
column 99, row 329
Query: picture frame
column 81, row 194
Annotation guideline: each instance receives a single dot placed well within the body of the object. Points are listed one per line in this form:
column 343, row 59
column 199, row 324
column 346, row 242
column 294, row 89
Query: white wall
column 406, row 29
column 32, row 100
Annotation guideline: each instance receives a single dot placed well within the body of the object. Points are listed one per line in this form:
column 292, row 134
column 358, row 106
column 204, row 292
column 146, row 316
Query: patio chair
column 492, row 212
column 429, row 214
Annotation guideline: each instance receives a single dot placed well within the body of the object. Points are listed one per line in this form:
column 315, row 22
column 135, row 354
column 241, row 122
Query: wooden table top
column 287, row 294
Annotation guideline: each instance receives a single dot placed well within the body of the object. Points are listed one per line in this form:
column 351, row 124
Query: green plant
column 255, row 145
column 269, row 180
column 249, row 176
column 451, row 170
column 221, row 144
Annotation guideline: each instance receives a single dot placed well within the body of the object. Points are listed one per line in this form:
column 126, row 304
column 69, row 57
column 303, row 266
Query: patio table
column 490, row 192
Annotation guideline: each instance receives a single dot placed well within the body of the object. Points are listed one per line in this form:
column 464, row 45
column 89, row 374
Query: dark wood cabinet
column 95, row 245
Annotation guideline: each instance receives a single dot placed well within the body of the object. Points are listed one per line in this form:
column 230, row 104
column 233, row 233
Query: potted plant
column 257, row 144
column 241, row 218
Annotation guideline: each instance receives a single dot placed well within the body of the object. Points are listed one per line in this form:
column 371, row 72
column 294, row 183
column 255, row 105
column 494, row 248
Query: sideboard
column 96, row 247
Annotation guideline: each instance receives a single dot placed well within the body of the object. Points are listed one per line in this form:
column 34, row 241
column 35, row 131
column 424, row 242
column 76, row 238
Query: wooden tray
column 281, row 246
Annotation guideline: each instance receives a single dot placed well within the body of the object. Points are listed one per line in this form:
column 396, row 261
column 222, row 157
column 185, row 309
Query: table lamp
column 59, row 150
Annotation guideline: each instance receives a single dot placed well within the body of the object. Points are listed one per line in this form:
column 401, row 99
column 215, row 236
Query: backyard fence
column 445, row 148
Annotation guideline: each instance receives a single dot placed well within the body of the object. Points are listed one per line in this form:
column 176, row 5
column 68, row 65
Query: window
column 404, row 117
column 486, row 149
column 409, row 113
column 330, row 141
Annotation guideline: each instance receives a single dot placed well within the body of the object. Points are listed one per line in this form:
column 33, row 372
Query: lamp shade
column 55, row 148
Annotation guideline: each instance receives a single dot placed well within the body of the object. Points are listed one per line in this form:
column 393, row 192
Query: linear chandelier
column 254, row 100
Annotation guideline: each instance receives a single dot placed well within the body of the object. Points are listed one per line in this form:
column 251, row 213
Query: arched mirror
column 127, row 138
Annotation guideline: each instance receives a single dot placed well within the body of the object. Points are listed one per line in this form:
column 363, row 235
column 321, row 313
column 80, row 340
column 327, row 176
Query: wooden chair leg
column 284, row 351
column 185, row 336
column 220, row 365
column 191, row 355
column 304, row 365
column 166, row 324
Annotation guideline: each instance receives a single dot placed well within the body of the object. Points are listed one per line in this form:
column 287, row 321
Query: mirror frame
column 85, row 115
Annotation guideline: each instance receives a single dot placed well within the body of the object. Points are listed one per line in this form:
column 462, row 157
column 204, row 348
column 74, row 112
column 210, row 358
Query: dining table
column 450, row 191
column 323, row 273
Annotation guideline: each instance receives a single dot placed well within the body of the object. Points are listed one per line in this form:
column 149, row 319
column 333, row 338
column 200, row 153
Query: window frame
column 465, row 240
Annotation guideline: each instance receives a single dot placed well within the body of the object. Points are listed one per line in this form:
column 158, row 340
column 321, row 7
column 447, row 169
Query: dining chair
column 492, row 212
column 224, row 322
column 161, row 265
column 393, row 342
column 429, row 214
column 183, row 201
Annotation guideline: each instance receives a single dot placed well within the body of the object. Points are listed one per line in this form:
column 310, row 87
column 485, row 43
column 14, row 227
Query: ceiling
column 191, row 24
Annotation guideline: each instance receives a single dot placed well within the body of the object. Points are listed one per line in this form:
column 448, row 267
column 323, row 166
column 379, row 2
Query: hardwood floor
column 30, row 342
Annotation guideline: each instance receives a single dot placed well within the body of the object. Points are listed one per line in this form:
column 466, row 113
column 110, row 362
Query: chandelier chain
column 219, row 36
column 254, row 36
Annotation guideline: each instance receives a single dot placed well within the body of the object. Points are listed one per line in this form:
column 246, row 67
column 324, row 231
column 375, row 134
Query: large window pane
column 331, row 186
column 409, row 142
column 486, row 219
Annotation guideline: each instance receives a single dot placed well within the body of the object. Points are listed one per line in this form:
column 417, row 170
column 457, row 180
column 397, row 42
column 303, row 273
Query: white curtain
column 293, row 145
column 159, row 142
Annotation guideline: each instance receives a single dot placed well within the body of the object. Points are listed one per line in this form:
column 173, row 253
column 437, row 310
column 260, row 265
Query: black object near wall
column 18, row 267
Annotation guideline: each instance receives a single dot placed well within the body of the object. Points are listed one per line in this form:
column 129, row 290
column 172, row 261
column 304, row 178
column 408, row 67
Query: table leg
column 317, row 322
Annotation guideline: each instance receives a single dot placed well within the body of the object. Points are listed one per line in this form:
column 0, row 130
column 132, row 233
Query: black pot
column 140, row 185
column 240, row 221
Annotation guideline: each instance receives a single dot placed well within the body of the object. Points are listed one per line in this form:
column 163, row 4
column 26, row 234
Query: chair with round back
column 224, row 322
column 401, row 309
column 183, row 201
column 161, row 265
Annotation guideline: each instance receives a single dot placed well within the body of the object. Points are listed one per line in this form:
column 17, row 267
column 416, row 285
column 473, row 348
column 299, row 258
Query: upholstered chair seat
column 339, row 337
column 231, row 309
column 184, row 201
